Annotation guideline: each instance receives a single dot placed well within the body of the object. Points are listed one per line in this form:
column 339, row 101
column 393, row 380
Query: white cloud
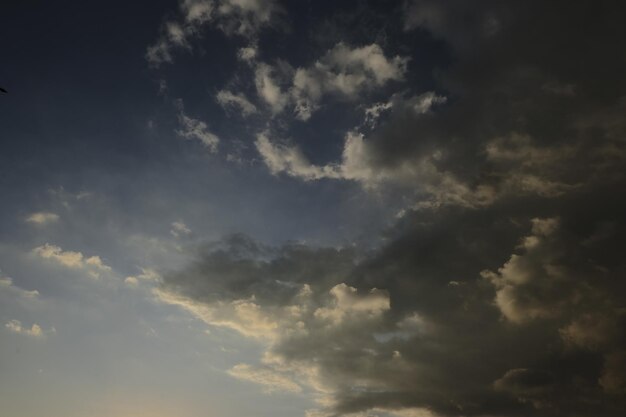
column 346, row 72
column 373, row 113
column 268, row 88
column 76, row 260
column 198, row 130
column 41, row 218
column 343, row 71
column 35, row 330
column 248, row 53
column 227, row 99
column 179, row 229
column 234, row 17
column 289, row 159
column 267, row 377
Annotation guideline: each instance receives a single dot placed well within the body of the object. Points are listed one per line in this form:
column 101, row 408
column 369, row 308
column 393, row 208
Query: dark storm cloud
column 424, row 323
column 500, row 291
column 526, row 89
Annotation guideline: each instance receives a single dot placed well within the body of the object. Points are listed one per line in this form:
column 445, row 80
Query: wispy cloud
column 41, row 218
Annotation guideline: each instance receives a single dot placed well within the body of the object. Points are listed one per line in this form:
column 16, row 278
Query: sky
column 250, row 208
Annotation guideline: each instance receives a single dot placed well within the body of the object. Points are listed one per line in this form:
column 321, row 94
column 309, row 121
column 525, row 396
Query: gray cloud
column 499, row 290
column 519, row 113
column 420, row 324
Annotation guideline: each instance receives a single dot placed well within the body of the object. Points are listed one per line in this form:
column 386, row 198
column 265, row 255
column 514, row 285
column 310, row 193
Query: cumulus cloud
column 344, row 72
column 93, row 265
column 35, row 331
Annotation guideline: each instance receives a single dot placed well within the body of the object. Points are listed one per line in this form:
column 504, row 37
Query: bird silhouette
column 3, row 90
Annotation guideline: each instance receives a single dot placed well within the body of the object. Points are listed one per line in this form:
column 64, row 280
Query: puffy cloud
column 179, row 229
column 346, row 72
column 35, row 331
column 343, row 72
column 248, row 53
column 93, row 265
column 42, row 218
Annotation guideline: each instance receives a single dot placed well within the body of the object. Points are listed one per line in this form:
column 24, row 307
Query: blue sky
column 235, row 208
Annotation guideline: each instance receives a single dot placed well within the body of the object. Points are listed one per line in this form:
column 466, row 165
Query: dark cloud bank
column 500, row 293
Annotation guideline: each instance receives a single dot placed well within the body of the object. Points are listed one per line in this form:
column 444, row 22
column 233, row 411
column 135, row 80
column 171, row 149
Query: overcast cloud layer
column 368, row 209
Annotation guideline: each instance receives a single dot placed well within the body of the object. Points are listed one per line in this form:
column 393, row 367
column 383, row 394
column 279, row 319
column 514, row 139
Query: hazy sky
column 264, row 208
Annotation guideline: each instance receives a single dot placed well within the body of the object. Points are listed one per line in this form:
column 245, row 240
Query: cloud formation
column 499, row 289
column 194, row 129
column 93, row 265
column 35, row 331
column 343, row 72
column 233, row 17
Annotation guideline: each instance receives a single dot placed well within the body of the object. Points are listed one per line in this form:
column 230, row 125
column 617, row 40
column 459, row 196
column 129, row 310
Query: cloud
column 233, row 17
column 499, row 289
column 343, row 72
column 75, row 260
column 268, row 89
column 514, row 126
column 6, row 284
column 35, row 331
column 362, row 332
column 271, row 380
column 146, row 275
column 289, row 159
column 346, row 72
column 248, row 53
column 228, row 100
column 42, row 218
column 348, row 303
column 193, row 129
column 179, row 229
